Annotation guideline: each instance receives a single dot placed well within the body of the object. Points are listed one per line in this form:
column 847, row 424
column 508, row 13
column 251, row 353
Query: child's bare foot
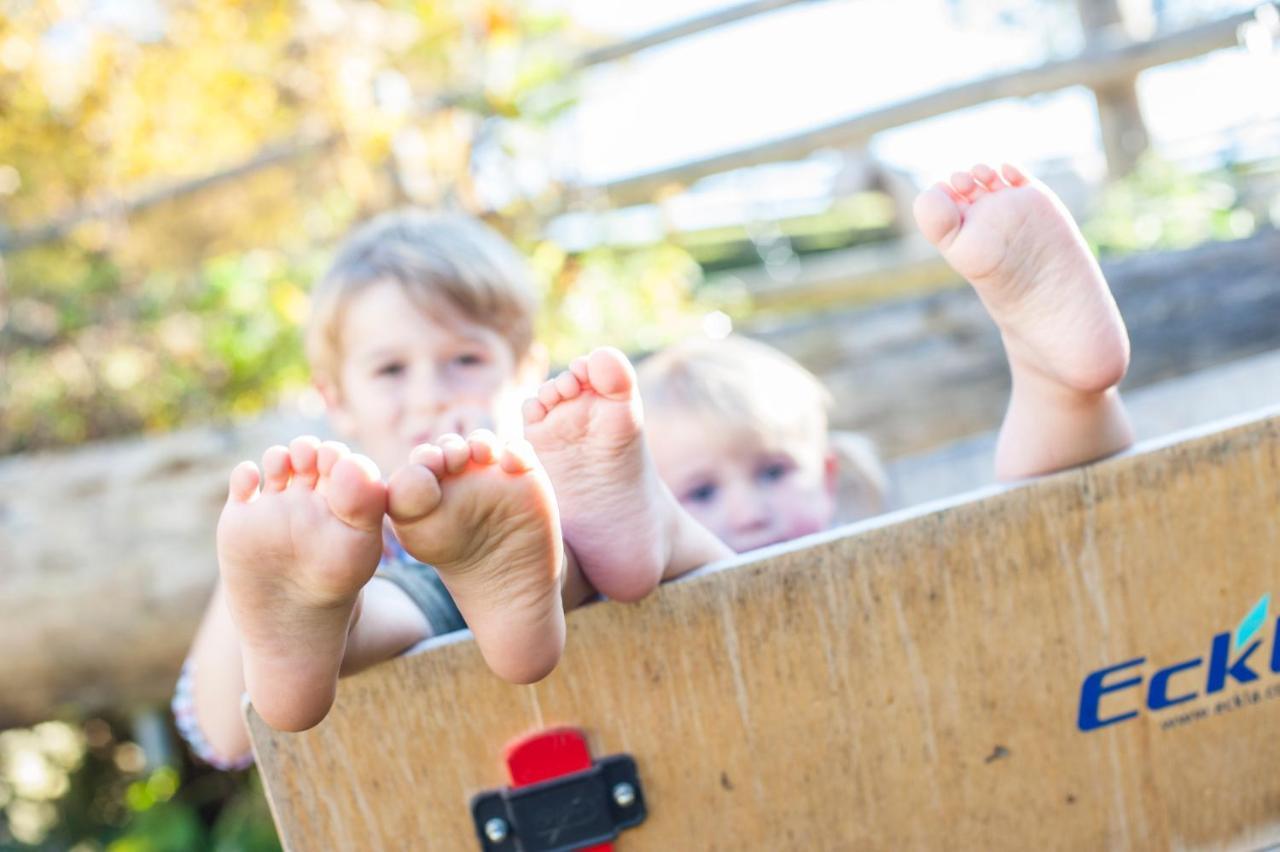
column 485, row 517
column 622, row 523
column 1011, row 238
column 1067, row 346
column 293, row 560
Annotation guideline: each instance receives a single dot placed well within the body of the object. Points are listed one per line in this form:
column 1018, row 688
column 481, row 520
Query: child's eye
column 469, row 359
column 704, row 493
column 393, row 368
column 774, row 471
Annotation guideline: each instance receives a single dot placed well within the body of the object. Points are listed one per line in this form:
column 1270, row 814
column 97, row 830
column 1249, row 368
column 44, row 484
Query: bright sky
column 806, row 65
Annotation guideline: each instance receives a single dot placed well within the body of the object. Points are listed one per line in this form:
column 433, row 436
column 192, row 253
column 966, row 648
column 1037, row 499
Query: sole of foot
column 587, row 427
column 296, row 544
column 484, row 515
column 1010, row 236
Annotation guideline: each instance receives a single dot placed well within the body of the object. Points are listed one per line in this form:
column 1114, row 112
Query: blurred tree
column 1161, row 206
column 172, row 176
column 88, row 787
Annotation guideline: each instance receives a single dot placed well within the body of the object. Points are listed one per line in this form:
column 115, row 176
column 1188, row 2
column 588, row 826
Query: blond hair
column 747, row 384
column 432, row 256
column 738, row 381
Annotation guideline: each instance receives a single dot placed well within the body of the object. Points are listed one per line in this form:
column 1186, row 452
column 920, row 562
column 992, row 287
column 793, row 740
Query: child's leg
column 485, row 516
column 293, row 560
column 1013, row 240
column 620, row 520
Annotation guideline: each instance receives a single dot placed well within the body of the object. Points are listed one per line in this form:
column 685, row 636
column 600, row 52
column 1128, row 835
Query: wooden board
column 912, row 683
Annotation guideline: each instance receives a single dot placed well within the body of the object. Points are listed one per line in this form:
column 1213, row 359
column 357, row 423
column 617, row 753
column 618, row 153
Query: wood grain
column 909, row 683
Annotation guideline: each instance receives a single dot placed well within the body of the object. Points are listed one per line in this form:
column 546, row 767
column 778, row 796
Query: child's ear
column 532, row 369
column 334, row 408
column 831, row 473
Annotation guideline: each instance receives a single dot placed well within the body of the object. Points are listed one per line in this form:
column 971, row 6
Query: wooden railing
column 1108, row 65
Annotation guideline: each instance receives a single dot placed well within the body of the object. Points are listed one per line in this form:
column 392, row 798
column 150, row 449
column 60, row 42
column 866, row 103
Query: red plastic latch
column 548, row 754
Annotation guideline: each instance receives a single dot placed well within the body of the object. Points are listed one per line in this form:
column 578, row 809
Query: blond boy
column 421, row 333
column 739, row 432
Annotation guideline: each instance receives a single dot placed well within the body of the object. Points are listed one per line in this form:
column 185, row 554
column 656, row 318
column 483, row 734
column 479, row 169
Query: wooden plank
column 911, row 683
column 1124, row 132
column 1097, row 67
column 680, row 30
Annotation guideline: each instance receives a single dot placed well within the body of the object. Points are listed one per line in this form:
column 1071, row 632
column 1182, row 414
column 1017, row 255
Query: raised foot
column 484, row 515
column 618, row 517
column 1013, row 240
column 293, row 558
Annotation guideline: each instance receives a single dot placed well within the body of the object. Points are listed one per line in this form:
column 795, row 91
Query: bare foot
column 293, row 560
column 485, row 517
column 621, row 521
column 1011, row 238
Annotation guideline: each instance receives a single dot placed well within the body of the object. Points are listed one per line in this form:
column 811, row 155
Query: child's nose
column 746, row 510
column 430, row 392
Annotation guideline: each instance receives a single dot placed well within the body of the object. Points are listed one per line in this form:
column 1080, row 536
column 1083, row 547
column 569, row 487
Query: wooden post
column 1124, row 133
column 1084, row 662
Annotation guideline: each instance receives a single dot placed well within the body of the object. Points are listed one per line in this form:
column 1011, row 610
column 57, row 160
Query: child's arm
column 387, row 622
column 207, row 703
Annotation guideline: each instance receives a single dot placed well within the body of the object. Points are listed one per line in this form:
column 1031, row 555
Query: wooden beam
column 1124, row 132
column 919, row 682
column 1098, row 66
column 682, row 29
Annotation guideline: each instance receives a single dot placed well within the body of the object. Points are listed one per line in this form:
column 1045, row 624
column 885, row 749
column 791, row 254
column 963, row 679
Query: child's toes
column 413, row 492
column 244, row 482
column 303, row 458
column 1013, row 175
column 967, row 186
column 578, row 366
column 484, row 446
column 987, row 176
column 533, row 411
column 327, row 456
column 276, row 469
column 549, row 395
column 356, row 494
column 938, row 214
column 567, row 385
column 429, row 456
column 456, row 453
column 610, row 372
column 517, row 456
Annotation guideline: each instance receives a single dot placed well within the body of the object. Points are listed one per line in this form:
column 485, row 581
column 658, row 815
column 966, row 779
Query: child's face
column 749, row 491
column 407, row 375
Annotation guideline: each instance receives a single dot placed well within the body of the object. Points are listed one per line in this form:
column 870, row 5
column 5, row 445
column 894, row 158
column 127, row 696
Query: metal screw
column 624, row 794
column 496, row 830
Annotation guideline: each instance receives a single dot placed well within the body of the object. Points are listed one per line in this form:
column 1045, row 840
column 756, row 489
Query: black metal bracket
column 562, row 814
